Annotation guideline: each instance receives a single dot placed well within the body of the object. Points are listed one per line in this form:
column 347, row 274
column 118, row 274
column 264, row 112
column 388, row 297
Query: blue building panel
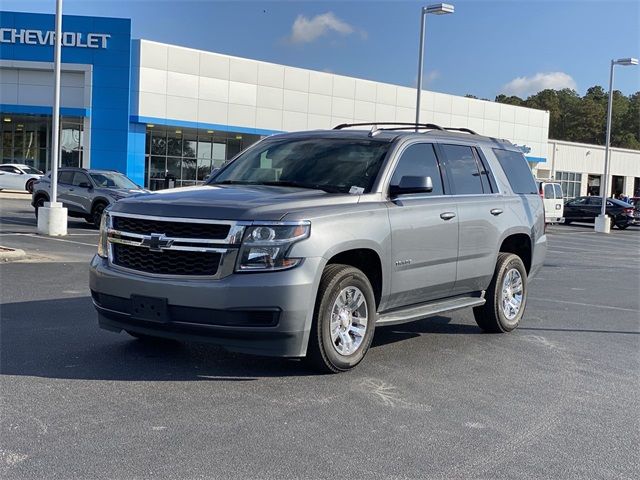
column 111, row 69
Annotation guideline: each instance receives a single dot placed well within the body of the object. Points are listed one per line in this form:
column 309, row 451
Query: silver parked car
column 306, row 242
column 85, row 192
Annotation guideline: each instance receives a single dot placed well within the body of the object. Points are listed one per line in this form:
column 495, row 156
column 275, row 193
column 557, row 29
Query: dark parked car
column 586, row 209
column 85, row 193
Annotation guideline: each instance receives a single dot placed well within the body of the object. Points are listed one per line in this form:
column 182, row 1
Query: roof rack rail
column 466, row 130
column 374, row 125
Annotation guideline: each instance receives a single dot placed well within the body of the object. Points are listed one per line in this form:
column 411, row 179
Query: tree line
column 583, row 119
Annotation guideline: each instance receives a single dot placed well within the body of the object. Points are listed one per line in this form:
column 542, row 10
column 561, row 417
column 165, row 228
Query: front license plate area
column 151, row 309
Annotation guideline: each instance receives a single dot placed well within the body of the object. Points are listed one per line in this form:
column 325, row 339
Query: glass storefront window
column 189, row 146
column 27, row 139
column 189, row 154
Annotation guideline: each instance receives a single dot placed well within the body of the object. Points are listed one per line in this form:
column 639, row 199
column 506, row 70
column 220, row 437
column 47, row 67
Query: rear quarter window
column 517, row 170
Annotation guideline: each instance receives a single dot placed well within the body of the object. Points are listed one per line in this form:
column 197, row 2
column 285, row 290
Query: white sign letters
column 39, row 37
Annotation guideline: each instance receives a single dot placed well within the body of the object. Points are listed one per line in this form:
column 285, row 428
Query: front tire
column 40, row 201
column 343, row 321
column 29, row 186
column 96, row 214
column 506, row 296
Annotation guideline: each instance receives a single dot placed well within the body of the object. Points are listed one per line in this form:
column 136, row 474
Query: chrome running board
column 410, row 314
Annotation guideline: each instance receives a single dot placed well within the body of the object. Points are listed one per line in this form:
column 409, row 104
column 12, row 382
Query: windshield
column 113, row 180
column 333, row 165
column 31, row 171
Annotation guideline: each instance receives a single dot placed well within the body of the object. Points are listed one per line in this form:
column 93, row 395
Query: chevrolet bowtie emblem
column 156, row 242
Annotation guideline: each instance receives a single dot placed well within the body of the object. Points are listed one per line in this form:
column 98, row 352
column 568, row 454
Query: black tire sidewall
column 346, row 278
column 98, row 211
column 29, row 185
column 39, row 203
column 513, row 261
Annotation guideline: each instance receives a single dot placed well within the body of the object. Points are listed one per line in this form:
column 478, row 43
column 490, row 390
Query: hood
column 230, row 202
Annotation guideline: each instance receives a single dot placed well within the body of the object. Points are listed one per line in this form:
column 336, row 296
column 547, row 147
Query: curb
column 15, row 195
column 10, row 254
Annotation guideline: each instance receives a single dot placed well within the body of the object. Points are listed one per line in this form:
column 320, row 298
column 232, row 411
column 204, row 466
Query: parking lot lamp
column 52, row 217
column 435, row 9
column 602, row 223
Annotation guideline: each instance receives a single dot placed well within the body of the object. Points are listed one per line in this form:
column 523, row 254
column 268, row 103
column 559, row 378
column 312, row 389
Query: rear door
column 424, row 232
column 559, row 203
column 479, row 207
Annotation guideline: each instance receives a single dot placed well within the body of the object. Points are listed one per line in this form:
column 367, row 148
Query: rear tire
column 505, row 306
column 343, row 320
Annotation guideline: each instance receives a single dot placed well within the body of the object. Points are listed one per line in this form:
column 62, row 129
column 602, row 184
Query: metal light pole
column 602, row 223
column 435, row 9
column 52, row 217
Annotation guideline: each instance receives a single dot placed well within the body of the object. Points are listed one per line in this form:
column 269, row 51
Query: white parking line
column 33, row 235
column 606, row 307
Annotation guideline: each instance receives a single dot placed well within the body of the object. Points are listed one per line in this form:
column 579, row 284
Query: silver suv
column 85, row 193
column 305, row 242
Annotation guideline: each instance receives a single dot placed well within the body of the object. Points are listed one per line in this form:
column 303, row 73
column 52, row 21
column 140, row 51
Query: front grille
column 167, row 262
column 143, row 226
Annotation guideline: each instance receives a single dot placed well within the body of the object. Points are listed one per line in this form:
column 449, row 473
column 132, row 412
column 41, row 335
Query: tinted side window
column 548, row 191
column 595, row 201
column 517, row 170
column 65, row 177
column 6, row 169
column 79, row 178
column 463, row 169
column 419, row 160
column 558, row 190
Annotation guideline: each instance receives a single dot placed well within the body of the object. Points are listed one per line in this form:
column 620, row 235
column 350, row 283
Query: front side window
column 578, row 201
column 465, row 176
column 419, row 160
column 517, row 170
column 78, row 178
column 333, row 165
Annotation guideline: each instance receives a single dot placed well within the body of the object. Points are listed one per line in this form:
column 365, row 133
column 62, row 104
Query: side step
column 418, row 312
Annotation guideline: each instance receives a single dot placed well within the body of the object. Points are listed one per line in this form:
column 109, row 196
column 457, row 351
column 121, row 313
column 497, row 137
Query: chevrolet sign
column 39, row 37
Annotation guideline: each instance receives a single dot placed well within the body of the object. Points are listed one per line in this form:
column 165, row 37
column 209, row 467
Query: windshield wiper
column 311, row 186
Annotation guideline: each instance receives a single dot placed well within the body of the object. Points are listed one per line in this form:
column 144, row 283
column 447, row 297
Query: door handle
column 447, row 215
column 496, row 211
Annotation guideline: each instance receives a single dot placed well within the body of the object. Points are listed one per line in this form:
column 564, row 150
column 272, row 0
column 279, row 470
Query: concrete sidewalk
column 15, row 195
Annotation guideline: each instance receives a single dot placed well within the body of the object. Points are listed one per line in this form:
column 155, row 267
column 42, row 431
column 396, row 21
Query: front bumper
column 261, row 313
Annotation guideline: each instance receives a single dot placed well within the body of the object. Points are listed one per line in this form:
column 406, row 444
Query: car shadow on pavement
column 437, row 324
column 60, row 338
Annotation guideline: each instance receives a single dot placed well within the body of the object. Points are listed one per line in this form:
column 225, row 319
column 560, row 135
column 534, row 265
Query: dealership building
column 150, row 109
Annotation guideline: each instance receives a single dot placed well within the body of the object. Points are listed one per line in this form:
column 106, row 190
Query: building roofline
column 589, row 145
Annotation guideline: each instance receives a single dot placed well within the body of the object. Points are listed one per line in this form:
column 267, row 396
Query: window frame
column 394, row 156
column 481, row 164
column 87, row 179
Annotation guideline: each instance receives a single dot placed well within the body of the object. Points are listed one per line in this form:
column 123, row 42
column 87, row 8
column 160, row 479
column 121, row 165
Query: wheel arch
column 368, row 261
column 520, row 244
column 98, row 200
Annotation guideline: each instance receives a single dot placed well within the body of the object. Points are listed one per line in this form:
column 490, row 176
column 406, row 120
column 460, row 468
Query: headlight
column 103, row 247
column 265, row 247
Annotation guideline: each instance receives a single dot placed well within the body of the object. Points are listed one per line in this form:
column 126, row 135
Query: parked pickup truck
column 306, row 242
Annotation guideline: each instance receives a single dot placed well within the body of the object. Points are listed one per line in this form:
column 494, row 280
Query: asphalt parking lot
column 557, row 398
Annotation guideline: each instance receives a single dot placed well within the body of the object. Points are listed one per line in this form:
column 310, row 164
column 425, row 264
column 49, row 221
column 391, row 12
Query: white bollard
column 52, row 219
column 603, row 224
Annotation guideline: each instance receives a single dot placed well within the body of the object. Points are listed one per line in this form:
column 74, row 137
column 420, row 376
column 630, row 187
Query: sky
column 485, row 48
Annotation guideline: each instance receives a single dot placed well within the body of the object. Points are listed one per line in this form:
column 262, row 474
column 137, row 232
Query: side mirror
column 411, row 184
column 84, row 185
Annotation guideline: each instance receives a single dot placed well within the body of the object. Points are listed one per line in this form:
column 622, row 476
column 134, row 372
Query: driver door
column 11, row 178
column 424, row 232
